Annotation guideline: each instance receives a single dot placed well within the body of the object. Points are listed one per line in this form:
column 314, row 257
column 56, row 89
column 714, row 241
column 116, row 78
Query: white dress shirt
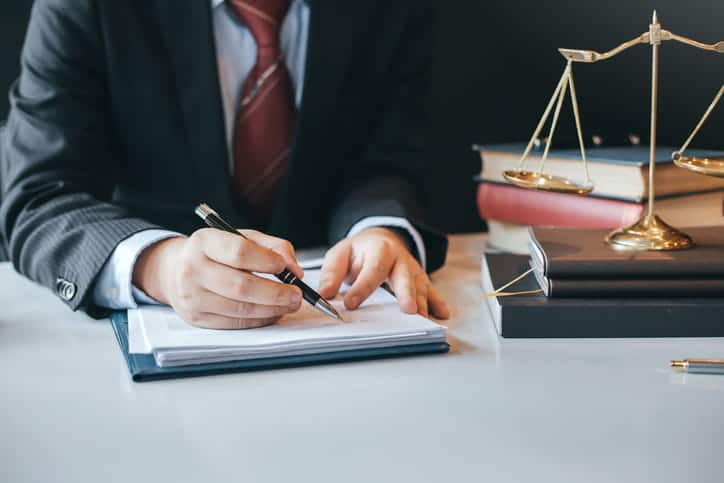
column 236, row 55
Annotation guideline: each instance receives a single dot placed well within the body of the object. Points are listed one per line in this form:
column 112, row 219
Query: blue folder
column 143, row 366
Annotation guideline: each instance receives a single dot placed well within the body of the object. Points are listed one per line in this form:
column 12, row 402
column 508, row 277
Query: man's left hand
column 372, row 257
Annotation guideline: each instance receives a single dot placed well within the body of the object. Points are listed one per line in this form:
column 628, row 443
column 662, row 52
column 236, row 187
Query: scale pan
column 546, row 182
column 701, row 165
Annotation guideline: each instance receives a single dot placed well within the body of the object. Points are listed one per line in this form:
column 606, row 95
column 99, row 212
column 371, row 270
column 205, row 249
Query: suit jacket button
column 66, row 290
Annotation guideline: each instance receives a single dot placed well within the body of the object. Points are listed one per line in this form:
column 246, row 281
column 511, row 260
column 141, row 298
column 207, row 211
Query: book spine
column 540, row 208
column 622, row 288
column 608, row 269
column 616, row 319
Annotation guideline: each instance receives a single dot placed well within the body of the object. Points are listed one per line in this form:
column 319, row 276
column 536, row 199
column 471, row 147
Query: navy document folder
column 158, row 344
column 142, row 367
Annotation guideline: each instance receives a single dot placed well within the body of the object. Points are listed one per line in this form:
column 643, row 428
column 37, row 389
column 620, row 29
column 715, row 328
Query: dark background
column 496, row 65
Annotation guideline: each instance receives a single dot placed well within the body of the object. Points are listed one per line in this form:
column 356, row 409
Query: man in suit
column 298, row 118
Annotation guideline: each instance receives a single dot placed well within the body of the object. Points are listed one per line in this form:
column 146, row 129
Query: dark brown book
column 630, row 287
column 583, row 254
column 535, row 315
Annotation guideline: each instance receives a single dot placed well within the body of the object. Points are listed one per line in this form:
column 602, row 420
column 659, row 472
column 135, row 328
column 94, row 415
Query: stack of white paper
column 377, row 323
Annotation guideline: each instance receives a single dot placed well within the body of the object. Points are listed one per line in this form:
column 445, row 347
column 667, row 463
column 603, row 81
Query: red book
column 541, row 208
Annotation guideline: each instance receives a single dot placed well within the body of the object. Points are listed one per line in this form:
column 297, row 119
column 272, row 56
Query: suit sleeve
column 390, row 178
column 59, row 167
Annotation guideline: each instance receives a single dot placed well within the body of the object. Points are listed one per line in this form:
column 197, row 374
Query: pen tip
column 677, row 364
column 336, row 314
column 328, row 309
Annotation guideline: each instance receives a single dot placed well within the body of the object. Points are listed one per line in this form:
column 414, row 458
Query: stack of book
column 620, row 177
column 578, row 286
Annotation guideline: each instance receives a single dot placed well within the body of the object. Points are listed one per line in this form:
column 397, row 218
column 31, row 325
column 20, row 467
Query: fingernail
column 295, row 299
column 354, row 301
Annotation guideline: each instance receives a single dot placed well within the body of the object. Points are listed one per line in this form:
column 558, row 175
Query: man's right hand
column 207, row 278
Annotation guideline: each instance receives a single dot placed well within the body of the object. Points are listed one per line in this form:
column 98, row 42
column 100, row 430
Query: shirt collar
column 216, row 3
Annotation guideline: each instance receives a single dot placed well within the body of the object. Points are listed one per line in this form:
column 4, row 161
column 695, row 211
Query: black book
column 629, row 287
column 574, row 253
column 573, row 262
column 537, row 316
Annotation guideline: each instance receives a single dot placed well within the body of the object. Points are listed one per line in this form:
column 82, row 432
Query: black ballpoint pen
column 213, row 219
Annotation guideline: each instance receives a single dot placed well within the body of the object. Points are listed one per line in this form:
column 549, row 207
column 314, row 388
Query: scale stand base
column 649, row 233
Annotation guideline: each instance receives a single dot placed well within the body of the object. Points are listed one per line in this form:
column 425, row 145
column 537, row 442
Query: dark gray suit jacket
column 116, row 126
column 3, row 250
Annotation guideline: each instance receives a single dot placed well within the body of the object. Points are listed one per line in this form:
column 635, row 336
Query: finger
column 213, row 303
column 215, row 321
column 421, row 294
column 247, row 287
column 280, row 246
column 376, row 268
column 402, row 281
column 334, row 269
column 438, row 306
column 237, row 252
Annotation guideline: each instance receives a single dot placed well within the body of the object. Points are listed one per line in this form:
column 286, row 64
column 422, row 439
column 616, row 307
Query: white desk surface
column 492, row 410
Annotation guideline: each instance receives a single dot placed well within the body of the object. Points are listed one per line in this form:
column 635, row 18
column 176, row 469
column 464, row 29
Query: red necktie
column 266, row 111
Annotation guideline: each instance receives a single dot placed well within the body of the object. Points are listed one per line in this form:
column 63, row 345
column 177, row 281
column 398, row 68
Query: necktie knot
column 263, row 18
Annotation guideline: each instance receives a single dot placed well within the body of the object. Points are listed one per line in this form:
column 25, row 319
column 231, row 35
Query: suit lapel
column 334, row 28
column 187, row 29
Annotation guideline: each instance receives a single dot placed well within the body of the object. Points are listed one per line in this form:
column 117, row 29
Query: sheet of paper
column 377, row 320
column 137, row 343
column 312, row 263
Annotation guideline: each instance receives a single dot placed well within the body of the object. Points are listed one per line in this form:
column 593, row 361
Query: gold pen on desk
column 699, row 366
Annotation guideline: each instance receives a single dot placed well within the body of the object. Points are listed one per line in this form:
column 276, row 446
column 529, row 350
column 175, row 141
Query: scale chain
column 556, row 114
column 701, row 122
column 579, row 131
column 544, row 118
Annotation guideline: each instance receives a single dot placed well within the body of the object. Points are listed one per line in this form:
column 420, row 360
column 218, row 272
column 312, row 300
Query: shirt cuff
column 393, row 222
column 114, row 286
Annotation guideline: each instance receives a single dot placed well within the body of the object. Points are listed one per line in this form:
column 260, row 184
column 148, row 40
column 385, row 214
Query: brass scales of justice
column 650, row 232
